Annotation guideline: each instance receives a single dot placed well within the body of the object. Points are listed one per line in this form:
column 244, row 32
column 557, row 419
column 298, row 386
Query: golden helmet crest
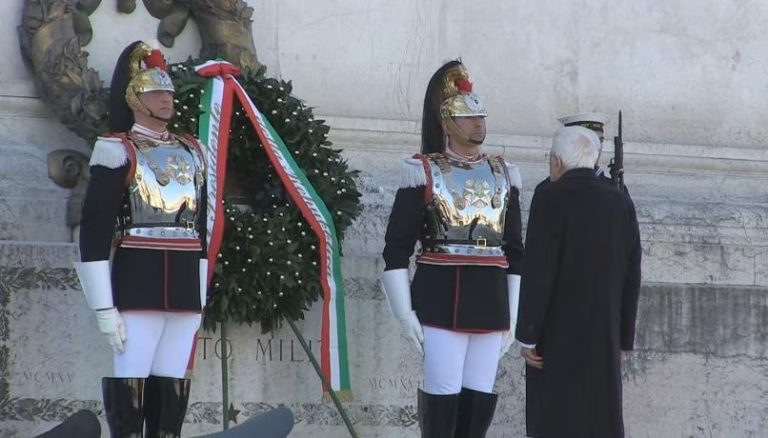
column 152, row 77
column 457, row 97
column 449, row 96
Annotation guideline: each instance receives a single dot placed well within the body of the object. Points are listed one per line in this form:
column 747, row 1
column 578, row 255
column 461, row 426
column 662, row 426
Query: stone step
column 685, row 242
column 44, row 255
column 719, row 320
column 29, row 121
column 22, row 161
column 32, row 207
column 34, row 219
column 24, row 173
column 381, row 173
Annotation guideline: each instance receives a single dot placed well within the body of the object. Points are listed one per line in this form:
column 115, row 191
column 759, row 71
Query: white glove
column 203, row 283
column 111, row 324
column 397, row 289
column 412, row 327
column 513, row 285
column 96, row 281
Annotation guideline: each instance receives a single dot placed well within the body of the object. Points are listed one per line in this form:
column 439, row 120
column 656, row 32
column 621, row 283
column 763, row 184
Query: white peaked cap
column 601, row 118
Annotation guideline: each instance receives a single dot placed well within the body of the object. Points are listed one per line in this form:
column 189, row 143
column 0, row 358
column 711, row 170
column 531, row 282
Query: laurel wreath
column 267, row 269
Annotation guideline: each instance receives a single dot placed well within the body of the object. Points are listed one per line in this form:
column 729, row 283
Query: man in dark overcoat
column 579, row 293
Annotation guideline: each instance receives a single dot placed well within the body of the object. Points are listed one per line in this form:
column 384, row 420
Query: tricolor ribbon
column 213, row 131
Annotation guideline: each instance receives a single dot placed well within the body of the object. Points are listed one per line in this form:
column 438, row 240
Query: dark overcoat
column 578, row 304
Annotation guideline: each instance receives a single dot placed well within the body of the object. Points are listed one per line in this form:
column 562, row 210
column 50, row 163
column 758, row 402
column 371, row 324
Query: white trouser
column 453, row 360
column 158, row 343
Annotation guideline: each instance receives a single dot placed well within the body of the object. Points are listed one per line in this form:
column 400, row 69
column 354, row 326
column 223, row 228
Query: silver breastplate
column 468, row 206
column 167, row 186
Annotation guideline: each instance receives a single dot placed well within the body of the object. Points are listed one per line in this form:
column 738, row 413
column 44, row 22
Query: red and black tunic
column 142, row 279
column 462, row 298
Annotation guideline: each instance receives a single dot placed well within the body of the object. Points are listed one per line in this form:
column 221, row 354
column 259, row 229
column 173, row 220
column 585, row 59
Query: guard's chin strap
column 456, row 132
column 156, row 117
column 148, row 112
column 477, row 142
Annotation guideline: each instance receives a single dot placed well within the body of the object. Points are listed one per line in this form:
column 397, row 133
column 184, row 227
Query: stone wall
column 689, row 76
column 703, row 321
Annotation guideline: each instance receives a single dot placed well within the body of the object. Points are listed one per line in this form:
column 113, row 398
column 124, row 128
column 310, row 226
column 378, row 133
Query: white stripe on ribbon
column 211, row 145
column 333, row 343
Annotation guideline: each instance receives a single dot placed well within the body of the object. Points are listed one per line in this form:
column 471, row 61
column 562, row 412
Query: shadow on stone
column 83, row 424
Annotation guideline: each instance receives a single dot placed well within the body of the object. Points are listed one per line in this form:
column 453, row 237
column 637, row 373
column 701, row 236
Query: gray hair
column 576, row 147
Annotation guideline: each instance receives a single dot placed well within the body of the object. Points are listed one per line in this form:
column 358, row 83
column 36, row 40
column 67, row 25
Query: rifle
column 617, row 162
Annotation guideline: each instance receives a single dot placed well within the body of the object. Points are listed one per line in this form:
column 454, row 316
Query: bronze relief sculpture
column 53, row 33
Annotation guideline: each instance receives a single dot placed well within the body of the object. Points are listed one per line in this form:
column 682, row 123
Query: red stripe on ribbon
column 219, row 68
column 222, row 149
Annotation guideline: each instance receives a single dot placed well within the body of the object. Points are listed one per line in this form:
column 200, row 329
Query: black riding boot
column 437, row 414
column 123, row 401
column 165, row 405
column 475, row 413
